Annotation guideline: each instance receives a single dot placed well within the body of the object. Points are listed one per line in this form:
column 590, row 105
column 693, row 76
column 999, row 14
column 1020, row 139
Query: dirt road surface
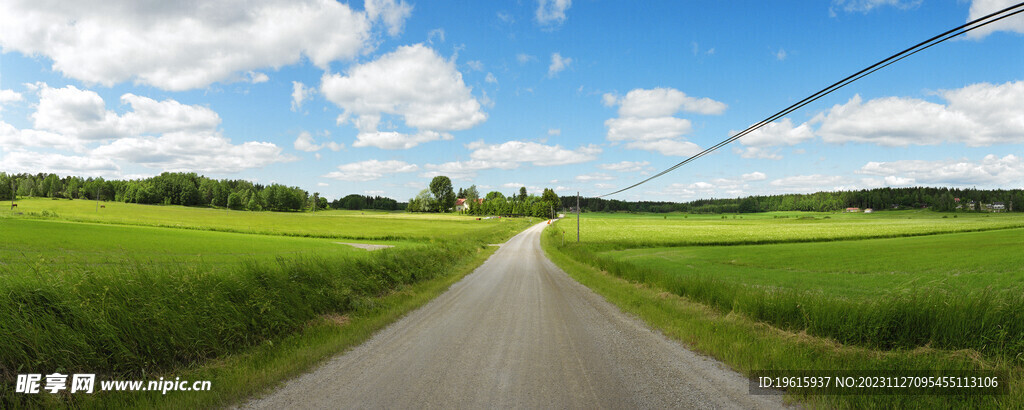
column 518, row 332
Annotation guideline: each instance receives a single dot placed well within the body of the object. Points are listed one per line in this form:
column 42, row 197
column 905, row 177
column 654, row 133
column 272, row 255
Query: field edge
column 746, row 345
column 240, row 377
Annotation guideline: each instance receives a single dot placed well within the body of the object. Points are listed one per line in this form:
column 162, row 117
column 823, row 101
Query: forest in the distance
column 190, row 189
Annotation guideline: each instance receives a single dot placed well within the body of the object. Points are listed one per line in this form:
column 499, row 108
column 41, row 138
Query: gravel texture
column 518, row 332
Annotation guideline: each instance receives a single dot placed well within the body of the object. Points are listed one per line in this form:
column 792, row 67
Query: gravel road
column 518, row 332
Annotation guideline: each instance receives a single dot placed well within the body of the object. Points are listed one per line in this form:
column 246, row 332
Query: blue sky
column 584, row 95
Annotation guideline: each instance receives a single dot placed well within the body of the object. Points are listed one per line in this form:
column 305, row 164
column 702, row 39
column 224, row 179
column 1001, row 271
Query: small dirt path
column 367, row 246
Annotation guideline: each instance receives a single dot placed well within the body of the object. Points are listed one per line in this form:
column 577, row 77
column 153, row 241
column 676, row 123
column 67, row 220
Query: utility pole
column 577, row 216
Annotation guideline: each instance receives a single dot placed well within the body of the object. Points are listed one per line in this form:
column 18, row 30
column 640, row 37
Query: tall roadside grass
column 133, row 319
column 988, row 321
column 748, row 345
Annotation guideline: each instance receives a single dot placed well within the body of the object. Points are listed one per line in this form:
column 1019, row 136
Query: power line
column 924, row 45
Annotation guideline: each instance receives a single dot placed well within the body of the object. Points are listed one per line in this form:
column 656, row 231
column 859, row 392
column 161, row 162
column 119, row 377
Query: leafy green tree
column 189, row 194
column 254, row 203
column 550, row 198
column 472, row 195
column 51, row 186
column 6, row 192
column 522, row 194
column 353, row 202
column 748, row 205
column 423, row 202
column 235, row 201
column 441, row 187
column 25, row 187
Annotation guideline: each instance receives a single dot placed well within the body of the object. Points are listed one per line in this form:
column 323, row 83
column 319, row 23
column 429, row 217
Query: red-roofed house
column 462, row 205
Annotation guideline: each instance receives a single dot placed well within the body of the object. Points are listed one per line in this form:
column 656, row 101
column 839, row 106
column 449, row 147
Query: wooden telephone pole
column 577, row 216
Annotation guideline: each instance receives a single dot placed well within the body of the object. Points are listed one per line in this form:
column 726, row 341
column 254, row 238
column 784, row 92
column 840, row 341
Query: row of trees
column 174, row 188
column 169, row 188
column 441, row 197
column 939, row 199
column 358, row 202
column 189, row 189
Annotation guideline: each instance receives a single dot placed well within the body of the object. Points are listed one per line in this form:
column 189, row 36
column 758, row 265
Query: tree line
column 938, row 199
column 360, row 202
column 190, row 189
column 440, row 196
column 178, row 188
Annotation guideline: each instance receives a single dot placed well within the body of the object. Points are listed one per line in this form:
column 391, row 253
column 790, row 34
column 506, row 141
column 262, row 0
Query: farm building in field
column 868, row 210
column 853, row 209
column 997, row 207
column 462, row 204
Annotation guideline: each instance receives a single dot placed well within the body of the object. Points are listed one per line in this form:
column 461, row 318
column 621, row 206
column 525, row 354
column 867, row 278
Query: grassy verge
column 238, row 377
column 611, row 232
column 28, row 242
column 137, row 322
column 988, row 319
column 353, row 225
column 748, row 345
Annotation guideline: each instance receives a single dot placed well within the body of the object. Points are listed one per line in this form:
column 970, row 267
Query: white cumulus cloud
column 511, row 155
column 625, row 166
column 558, row 64
column 300, row 93
column 165, row 135
column 79, row 165
column 370, row 170
column 9, row 96
column 594, row 176
column 990, row 171
column 187, row 45
column 305, row 142
column 754, row 176
column 531, row 152
column 193, row 152
column 672, row 148
column 462, row 169
column 392, row 13
column 757, row 143
column 777, row 133
column 646, row 129
column 810, row 183
column 864, row 6
column 646, row 119
column 662, row 102
column 82, row 114
column 412, row 82
column 552, row 11
column 977, row 115
column 981, row 8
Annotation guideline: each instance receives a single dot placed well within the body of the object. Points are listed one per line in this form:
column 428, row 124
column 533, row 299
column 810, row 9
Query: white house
column 462, row 205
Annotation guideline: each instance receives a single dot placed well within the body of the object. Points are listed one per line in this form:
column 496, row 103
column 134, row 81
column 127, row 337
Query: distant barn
column 852, row 209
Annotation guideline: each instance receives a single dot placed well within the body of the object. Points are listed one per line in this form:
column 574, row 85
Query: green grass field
column 58, row 243
column 913, row 287
column 131, row 291
column 855, row 269
column 358, row 225
column 623, row 231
